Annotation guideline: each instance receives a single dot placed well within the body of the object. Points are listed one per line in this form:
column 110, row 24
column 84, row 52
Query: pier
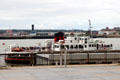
column 69, row 57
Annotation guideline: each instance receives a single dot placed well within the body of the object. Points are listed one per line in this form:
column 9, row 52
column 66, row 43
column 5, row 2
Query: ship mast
column 90, row 28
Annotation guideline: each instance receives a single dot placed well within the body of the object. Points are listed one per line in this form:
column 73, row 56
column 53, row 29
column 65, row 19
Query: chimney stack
column 32, row 27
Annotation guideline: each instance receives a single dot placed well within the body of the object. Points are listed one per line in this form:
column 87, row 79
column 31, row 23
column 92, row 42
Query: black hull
column 18, row 59
column 17, row 62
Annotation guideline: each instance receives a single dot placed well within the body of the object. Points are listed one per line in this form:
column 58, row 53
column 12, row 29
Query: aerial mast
column 90, row 27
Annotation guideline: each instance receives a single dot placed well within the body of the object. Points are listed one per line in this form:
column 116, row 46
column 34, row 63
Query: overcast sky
column 59, row 14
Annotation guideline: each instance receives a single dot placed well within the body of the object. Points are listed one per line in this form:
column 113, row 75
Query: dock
column 69, row 57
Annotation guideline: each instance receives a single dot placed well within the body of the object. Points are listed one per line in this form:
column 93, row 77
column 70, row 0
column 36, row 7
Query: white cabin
column 77, row 43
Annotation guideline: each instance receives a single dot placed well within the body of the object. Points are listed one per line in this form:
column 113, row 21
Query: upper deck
column 75, row 42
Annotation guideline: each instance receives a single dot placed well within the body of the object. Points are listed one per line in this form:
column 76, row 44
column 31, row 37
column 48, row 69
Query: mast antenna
column 90, row 27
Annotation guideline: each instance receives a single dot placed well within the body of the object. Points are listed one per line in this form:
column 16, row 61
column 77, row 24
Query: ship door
column 97, row 46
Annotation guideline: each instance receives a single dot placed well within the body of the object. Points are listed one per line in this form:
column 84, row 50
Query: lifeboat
column 17, row 49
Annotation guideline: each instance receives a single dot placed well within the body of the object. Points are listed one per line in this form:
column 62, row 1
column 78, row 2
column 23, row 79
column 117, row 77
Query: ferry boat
column 70, row 43
column 76, row 43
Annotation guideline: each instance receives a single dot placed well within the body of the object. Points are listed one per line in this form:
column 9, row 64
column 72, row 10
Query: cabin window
column 56, row 46
column 102, row 45
column 62, row 46
column 71, row 46
column 76, row 46
column 111, row 45
column 85, row 41
column 85, row 38
column 85, row 46
column 108, row 45
column 71, row 41
column 75, row 38
column 80, row 46
column 90, row 45
column 67, row 46
column 80, row 38
column 94, row 45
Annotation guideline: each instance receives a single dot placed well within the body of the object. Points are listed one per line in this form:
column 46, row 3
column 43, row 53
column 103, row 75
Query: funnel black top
column 32, row 27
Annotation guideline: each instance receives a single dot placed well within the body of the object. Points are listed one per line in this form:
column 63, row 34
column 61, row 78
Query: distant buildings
column 108, row 31
column 31, row 33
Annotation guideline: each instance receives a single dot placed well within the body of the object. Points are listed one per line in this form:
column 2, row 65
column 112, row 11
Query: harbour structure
column 72, row 57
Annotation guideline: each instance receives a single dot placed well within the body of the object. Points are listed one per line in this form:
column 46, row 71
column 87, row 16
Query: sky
column 59, row 14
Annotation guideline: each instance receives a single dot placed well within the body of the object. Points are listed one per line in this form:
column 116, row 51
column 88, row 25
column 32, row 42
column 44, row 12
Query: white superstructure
column 75, row 42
